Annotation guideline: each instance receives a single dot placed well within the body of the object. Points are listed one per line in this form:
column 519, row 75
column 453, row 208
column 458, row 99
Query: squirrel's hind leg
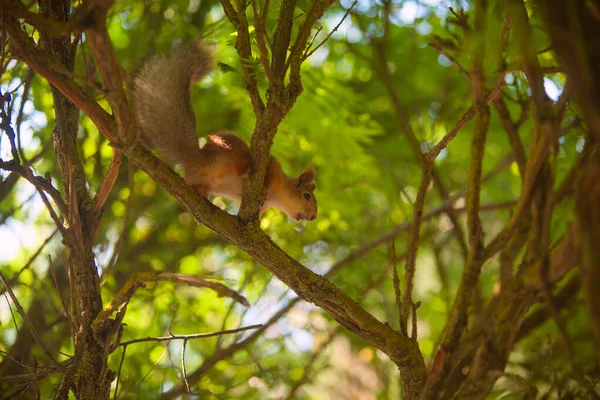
column 196, row 176
column 202, row 190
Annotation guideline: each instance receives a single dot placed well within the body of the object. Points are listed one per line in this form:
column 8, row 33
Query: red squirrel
column 162, row 107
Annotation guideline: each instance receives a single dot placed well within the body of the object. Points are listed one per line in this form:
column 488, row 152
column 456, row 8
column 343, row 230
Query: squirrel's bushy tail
column 161, row 100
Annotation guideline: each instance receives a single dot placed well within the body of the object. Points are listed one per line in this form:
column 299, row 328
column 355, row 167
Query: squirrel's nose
column 313, row 217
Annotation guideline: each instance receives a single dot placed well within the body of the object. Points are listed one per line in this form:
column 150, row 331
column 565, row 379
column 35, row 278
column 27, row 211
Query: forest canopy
column 456, row 250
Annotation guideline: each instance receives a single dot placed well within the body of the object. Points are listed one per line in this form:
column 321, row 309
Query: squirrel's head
column 301, row 204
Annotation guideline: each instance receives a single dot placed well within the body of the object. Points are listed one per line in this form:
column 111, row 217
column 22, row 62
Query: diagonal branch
column 242, row 44
column 104, row 190
column 44, row 24
column 189, row 337
column 317, row 9
column 281, row 43
column 308, row 53
column 511, row 129
column 41, row 184
column 138, row 280
column 111, row 71
column 47, row 67
column 437, row 43
column 260, row 24
column 427, row 166
column 230, row 13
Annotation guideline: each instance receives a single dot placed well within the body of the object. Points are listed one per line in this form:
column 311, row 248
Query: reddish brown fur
column 162, row 106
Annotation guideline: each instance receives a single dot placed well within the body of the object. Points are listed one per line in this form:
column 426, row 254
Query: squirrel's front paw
column 262, row 198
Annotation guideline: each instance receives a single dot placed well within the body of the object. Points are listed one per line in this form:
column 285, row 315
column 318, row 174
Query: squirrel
column 163, row 112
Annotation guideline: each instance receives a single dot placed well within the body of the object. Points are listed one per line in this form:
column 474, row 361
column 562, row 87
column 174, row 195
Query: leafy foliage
column 347, row 125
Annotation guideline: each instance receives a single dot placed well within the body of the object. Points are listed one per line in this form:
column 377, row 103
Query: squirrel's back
column 161, row 103
column 161, row 100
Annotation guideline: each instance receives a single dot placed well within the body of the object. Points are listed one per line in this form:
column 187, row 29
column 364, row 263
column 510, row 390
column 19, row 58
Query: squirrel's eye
column 306, row 196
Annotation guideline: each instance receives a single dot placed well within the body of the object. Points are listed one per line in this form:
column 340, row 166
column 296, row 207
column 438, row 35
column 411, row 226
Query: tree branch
column 139, row 279
column 459, row 314
column 308, row 54
column 30, row 326
column 111, row 72
column 46, row 67
column 281, row 98
column 260, row 23
column 46, row 25
column 104, row 190
column 189, row 337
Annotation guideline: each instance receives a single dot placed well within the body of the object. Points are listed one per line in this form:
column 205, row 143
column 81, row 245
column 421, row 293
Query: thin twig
column 24, row 170
column 440, row 49
column 396, row 279
column 189, row 337
column 42, row 373
column 59, row 224
column 261, row 36
column 462, row 120
column 7, row 354
column 512, row 132
column 164, row 353
column 21, row 112
column 12, row 314
column 457, row 320
column 183, row 369
column 240, row 22
column 46, row 67
column 107, row 184
column 124, row 230
column 28, row 322
column 119, row 372
column 36, row 386
column 308, row 54
column 62, row 300
column 409, row 266
column 6, row 116
column 319, row 29
column 139, row 279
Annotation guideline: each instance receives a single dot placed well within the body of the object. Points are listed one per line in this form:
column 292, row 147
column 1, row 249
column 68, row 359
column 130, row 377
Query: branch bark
column 280, row 97
column 458, row 316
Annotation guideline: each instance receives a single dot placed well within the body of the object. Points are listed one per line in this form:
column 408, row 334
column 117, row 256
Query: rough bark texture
column 573, row 27
column 88, row 377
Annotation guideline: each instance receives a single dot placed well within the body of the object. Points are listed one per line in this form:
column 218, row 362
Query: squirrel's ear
column 307, row 177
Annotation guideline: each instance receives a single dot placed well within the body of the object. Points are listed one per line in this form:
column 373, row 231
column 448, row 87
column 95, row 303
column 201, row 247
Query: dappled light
column 161, row 163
